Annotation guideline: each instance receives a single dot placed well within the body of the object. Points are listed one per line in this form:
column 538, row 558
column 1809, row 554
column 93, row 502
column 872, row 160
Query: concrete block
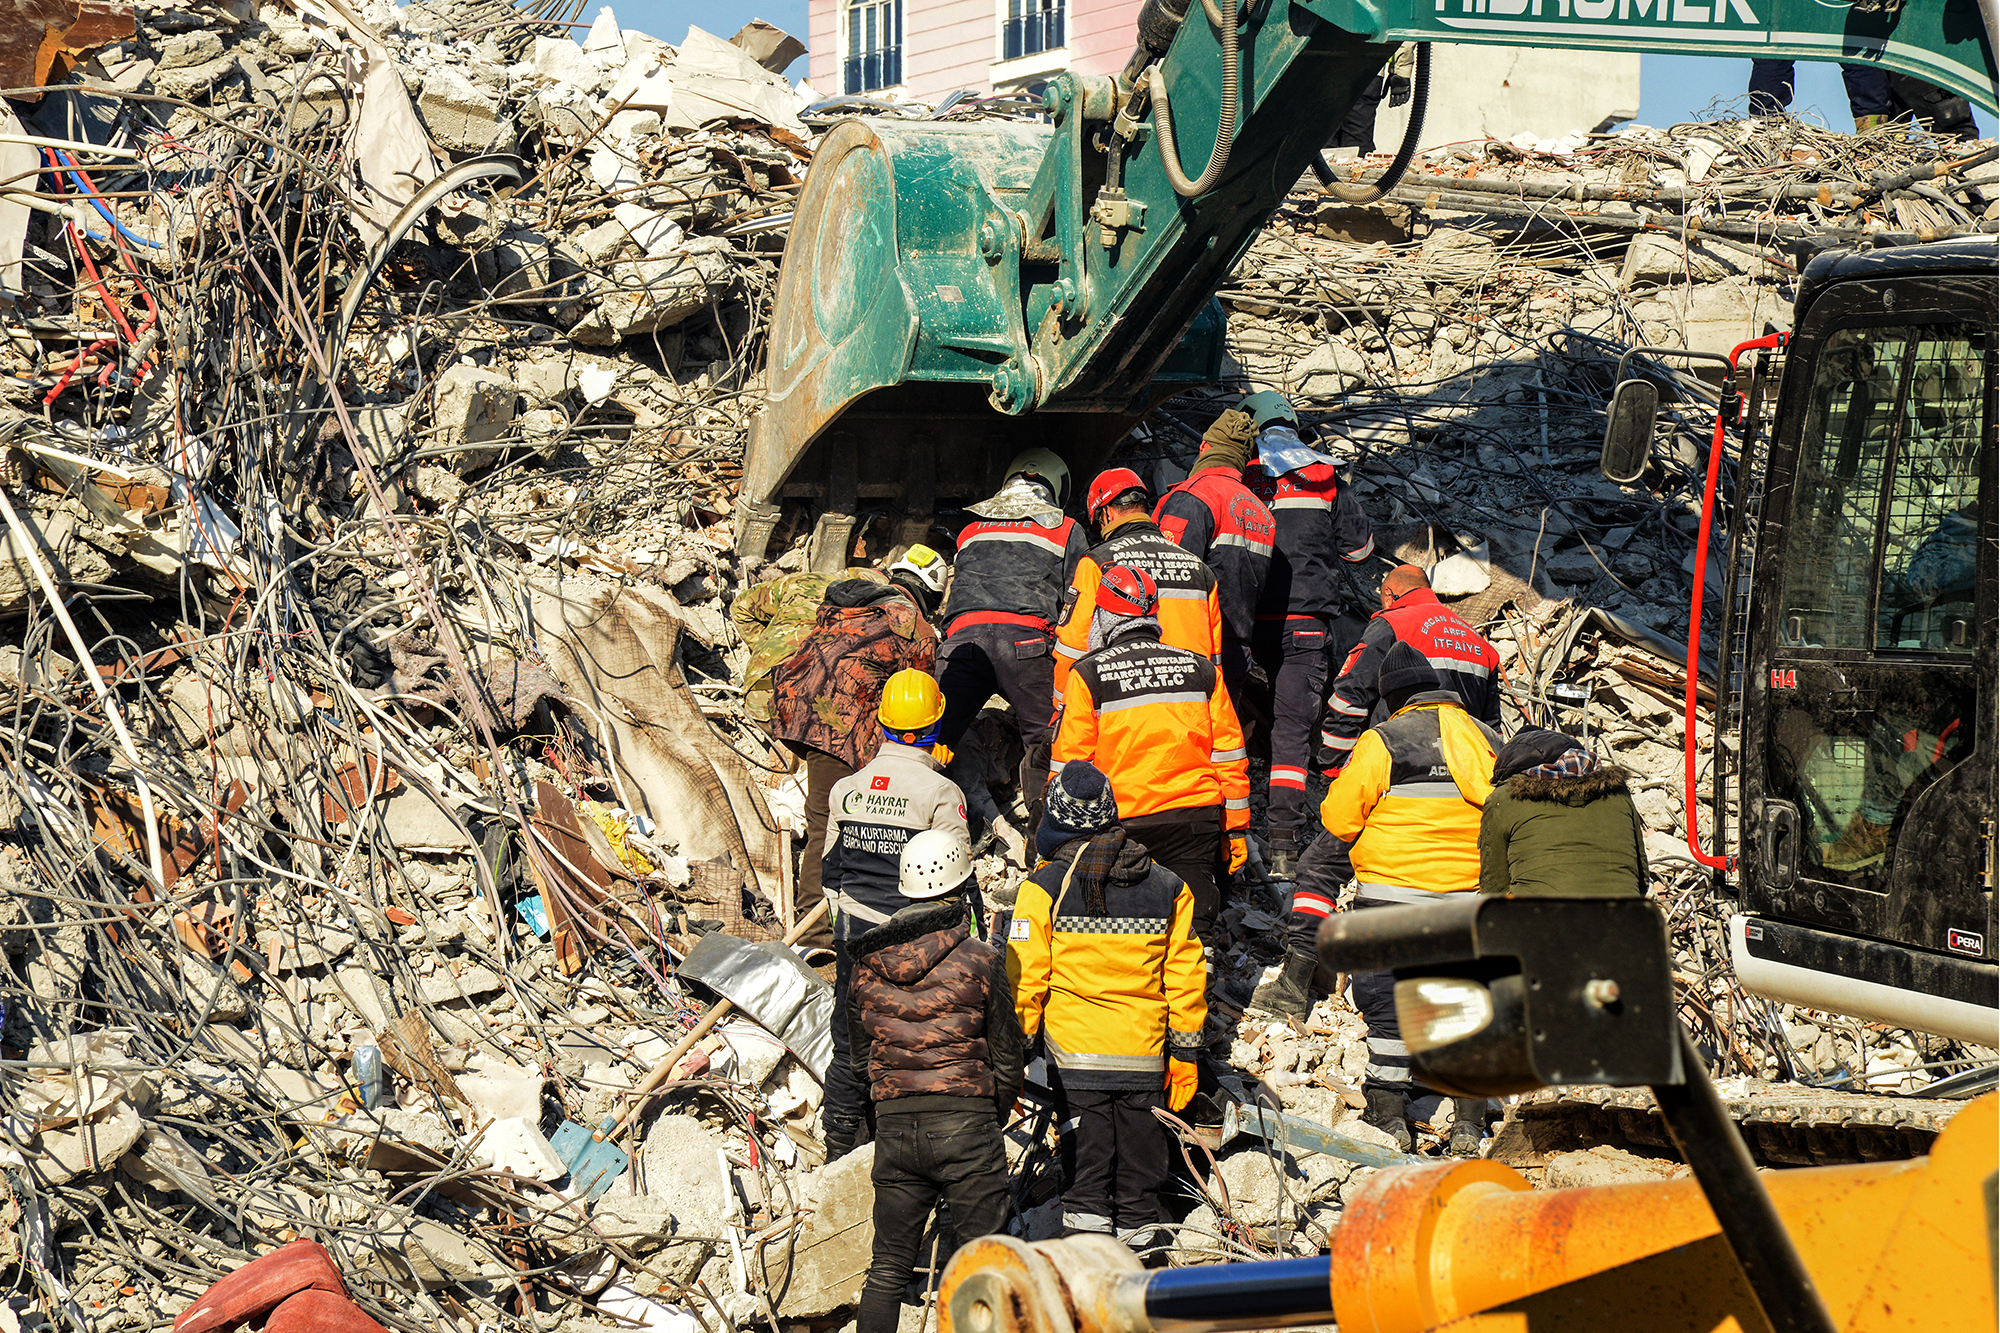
column 474, row 407
column 1332, row 367
column 1603, row 1166
column 560, row 61
column 640, row 1222
column 462, row 116
column 653, row 294
column 837, row 1241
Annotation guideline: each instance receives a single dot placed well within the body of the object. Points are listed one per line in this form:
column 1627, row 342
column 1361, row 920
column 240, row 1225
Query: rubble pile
column 382, row 817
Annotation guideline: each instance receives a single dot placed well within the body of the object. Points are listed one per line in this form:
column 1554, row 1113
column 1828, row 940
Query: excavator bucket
column 893, row 340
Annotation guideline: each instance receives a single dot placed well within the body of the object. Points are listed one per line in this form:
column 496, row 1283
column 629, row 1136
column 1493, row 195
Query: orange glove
column 1239, row 851
column 1181, row 1078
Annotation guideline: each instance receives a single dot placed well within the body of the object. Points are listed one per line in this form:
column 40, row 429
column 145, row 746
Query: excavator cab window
column 1880, row 638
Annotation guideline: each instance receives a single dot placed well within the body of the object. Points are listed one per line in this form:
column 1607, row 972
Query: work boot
column 1290, row 995
column 1468, row 1123
column 1863, row 124
column 1283, row 861
column 1385, row 1112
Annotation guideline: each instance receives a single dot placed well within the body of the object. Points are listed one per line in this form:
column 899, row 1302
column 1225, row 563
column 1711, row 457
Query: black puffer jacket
column 931, row 1019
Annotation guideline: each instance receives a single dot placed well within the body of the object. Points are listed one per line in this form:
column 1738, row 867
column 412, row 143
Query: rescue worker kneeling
column 1409, row 803
column 935, row 1037
column 1106, row 968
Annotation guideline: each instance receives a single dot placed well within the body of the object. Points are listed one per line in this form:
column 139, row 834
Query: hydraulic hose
column 1225, row 121
column 1420, row 97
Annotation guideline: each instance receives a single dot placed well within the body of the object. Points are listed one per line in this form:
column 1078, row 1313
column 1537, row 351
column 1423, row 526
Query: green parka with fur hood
column 1559, row 824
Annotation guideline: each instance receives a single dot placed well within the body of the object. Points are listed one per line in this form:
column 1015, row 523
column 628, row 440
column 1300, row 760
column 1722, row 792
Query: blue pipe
column 76, row 177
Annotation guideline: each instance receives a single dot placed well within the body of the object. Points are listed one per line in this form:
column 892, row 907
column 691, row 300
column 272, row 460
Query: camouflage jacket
column 826, row 693
column 930, row 1013
column 773, row 619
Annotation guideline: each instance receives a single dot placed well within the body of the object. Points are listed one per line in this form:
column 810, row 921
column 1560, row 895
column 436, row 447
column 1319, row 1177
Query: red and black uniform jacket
column 931, row 1017
column 1465, row 662
column 1214, row 515
column 1012, row 572
column 1319, row 527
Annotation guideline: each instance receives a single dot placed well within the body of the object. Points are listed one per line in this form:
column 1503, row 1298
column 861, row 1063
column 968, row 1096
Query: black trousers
column 822, row 771
column 1114, row 1159
column 1322, row 872
column 1374, row 996
column 1189, row 843
column 921, row 1158
column 845, row 1114
column 1293, row 654
column 1019, row 665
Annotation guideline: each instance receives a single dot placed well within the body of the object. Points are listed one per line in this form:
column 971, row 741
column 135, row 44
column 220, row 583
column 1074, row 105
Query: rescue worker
column 825, row 695
column 773, row 618
column 1213, row 515
column 935, row 1037
column 1408, row 805
column 1014, row 560
column 1357, row 131
column 1559, row 824
column 1157, row 721
column 1466, row 663
column 1190, row 613
column 1875, row 96
column 877, row 810
column 1310, row 611
column 1106, row 968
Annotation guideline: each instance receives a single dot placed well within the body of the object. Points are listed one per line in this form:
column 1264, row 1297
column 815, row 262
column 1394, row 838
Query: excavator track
column 1783, row 1124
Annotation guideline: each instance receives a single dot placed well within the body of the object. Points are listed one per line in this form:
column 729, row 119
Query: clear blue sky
column 1672, row 88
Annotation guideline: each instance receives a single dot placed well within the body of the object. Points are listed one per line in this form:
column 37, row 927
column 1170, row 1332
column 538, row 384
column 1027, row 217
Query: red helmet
column 1110, row 484
column 1125, row 591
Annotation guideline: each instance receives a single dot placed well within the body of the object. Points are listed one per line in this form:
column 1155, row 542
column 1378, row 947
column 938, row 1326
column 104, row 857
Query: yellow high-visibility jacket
column 1115, row 986
column 1410, row 798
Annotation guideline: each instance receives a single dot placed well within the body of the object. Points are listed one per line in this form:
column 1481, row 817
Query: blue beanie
column 1080, row 804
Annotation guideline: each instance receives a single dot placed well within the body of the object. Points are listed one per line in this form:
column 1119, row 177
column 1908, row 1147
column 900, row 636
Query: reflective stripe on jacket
column 1319, row 527
column 871, row 814
column 1013, row 568
column 1465, row 662
column 1190, row 613
column 1158, row 722
column 1114, row 994
column 1410, row 798
column 1214, row 515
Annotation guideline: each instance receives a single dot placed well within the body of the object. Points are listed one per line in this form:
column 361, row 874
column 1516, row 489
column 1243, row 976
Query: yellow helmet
column 911, row 704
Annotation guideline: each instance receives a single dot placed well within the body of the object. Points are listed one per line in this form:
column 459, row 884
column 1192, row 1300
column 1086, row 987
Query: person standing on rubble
column 1014, row 560
column 1408, row 804
column 877, row 811
column 1875, row 96
column 825, row 695
column 1310, row 612
column 1559, row 824
column 1190, row 613
column 1157, row 721
column 1106, row 969
column 937, row 1041
column 1213, row 515
column 1465, row 662
column 773, row 619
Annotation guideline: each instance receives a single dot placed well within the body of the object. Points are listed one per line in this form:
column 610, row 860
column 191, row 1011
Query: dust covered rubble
column 390, row 759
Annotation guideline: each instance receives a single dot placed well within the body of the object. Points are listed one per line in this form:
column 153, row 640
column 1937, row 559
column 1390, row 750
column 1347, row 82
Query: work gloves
column 1399, row 90
column 1233, row 429
column 1238, row 846
column 1182, row 1075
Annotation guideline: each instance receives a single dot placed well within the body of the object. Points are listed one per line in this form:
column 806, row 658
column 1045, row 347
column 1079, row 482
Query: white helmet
column 1042, row 463
column 921, row 565
column 935, row 862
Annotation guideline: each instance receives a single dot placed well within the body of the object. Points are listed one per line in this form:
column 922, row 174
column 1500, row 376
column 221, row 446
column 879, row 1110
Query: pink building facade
column 924, row 50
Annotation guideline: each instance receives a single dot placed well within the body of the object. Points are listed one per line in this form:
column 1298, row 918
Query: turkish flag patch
column 879, row 784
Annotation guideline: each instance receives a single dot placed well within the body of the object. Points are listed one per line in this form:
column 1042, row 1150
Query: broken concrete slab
column 837, row 1242
column 473, row 409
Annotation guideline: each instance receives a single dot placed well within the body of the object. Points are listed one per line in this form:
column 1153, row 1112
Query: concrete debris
column 402, row 548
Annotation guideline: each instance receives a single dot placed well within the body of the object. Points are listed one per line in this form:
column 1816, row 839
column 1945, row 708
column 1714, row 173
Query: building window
column 874, row 46
column 1032, row 26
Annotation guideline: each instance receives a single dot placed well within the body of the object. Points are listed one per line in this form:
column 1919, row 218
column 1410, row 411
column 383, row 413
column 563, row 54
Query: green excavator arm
column 955, row 292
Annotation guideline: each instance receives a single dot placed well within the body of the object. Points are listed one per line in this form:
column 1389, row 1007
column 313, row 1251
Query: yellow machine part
column 1468, row 1247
